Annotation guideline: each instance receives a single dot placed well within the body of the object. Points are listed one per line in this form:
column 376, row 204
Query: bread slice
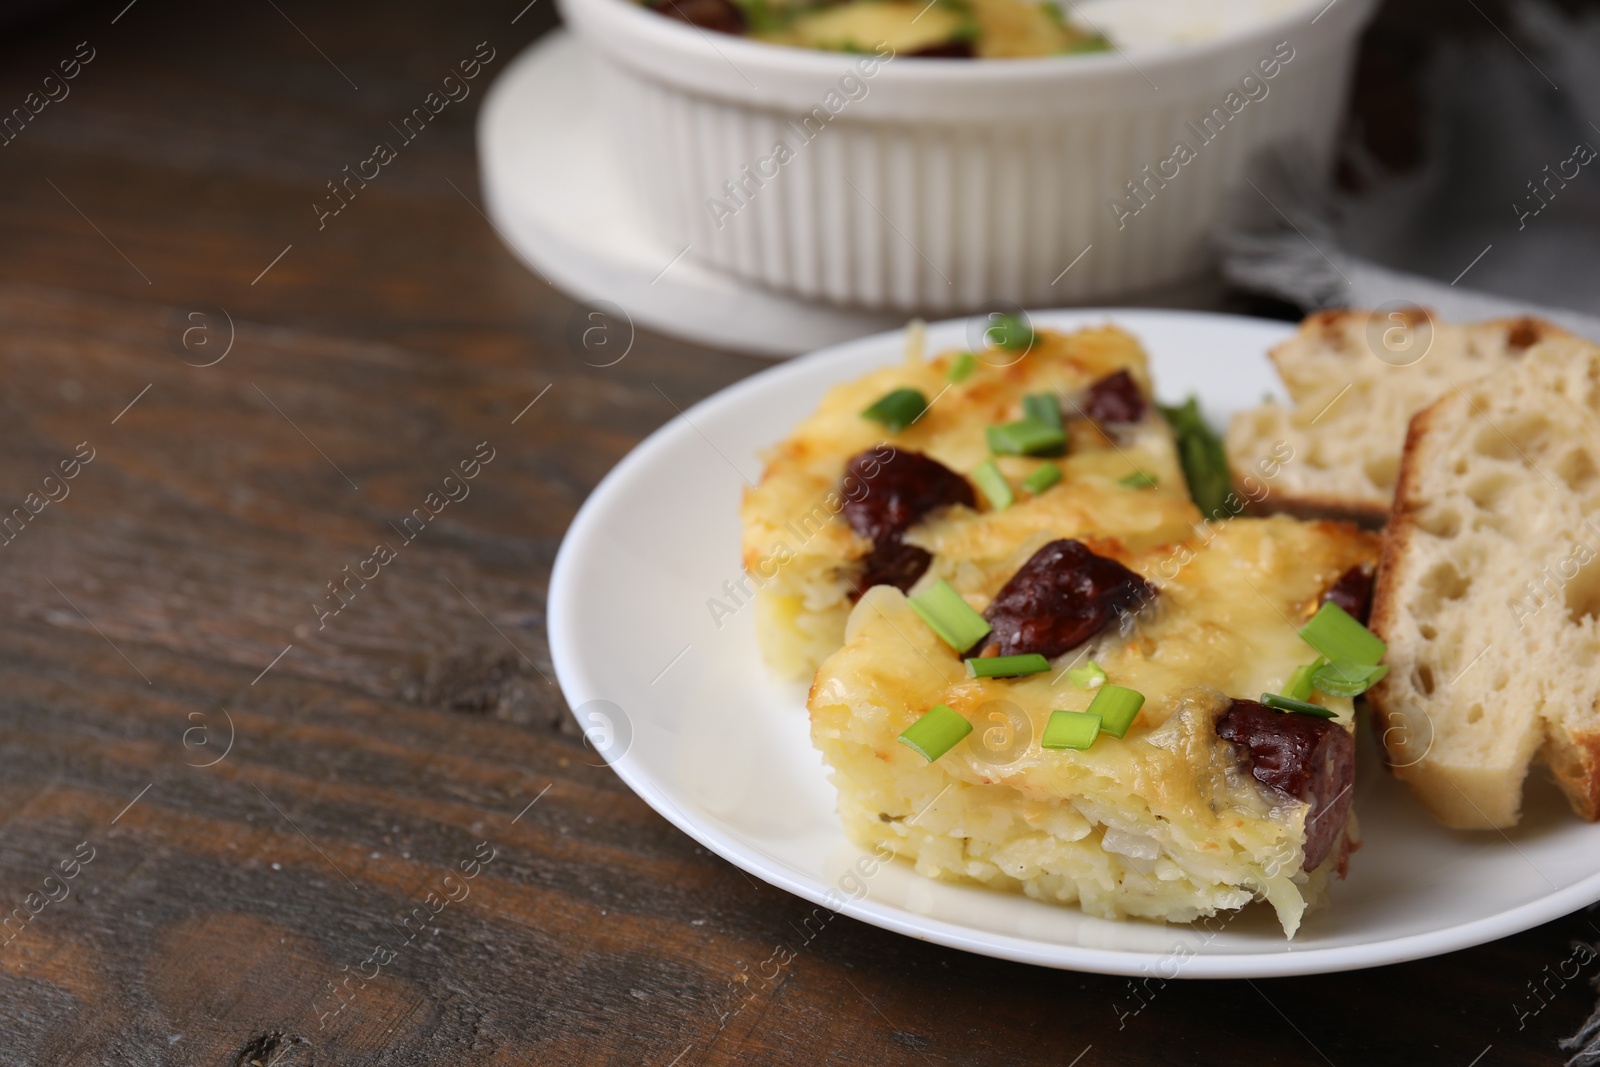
column 1489, row 592
column 1355, row 378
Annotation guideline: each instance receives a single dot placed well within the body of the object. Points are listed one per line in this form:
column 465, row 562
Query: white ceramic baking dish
column 952, row 185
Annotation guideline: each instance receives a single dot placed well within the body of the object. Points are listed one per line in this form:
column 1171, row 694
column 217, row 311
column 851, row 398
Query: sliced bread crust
column 1489, row 591
column 1354, row 380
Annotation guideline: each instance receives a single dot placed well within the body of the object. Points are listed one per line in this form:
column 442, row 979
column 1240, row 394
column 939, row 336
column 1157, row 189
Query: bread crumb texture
column 1489, row 591
column 1354, row 380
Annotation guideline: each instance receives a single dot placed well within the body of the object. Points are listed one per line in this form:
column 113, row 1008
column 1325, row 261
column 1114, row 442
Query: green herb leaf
column 1027, row 437
column 993, row 485
column 1094, row 42
column 1339, row 637
column 1043, row 477
column 1117, row 707
column 1299, row 687
column 1088, row 677
column 1139, row 480
column 961, row 367
column 1006, row 666
column 1042, row 408
column 1070, row 729
column 1205, row 463
column 1346, row 679
column 897, row 409
column 936, row 733
column 1273, row 700
column 949, row 616
column 1010, row 332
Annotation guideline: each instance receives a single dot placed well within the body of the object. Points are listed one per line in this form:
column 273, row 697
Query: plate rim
column 563, row 602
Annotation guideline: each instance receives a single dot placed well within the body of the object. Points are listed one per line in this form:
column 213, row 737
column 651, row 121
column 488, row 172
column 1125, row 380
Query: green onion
column 1273, row 700
column 1138, row 480
column 760, row 17
column 1205, row 464
column 1117, row 707
column 897, row 409
column 949, row 616
column 993, row 485
column 1042, row 408
column 1092, row 43
column 1345, row 679
column 1340, row 638
column 1087, row 677
column 1006, row 666
column 1043, row 477
column 1070, row 729
column 936, row 732
column 1027, row 437
column 1299, row 687
column 1010, row 332
column 962, row 366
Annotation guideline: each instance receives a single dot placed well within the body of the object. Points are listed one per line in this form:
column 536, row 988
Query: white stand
column 556, row 196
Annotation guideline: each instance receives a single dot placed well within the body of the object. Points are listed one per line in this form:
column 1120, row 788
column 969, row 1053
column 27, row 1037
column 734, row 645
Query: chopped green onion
column 1070, row 729
column 1348, row 679
column 1010, row 332
column 1006, row 666
column 1205, row 463
column 949, row 616
column 761, row 18
column 897, row 409
column 962, row 366
column 1138, row 480
column 1299, row 687
column 1027, row 438
column 1339, row 637
column 1043, row 477
column 1043, row 408
column 1087, row 677
column 996, row 490
column 1273, row 700
column 1117, row 707
column 1093, row 42
column 936, row 732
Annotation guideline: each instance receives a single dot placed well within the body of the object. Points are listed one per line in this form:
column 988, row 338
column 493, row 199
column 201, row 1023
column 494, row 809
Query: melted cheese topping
column 1225, row 624
column 800, row 551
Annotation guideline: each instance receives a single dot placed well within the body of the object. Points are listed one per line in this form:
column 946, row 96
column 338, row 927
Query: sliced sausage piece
column 1061, row 597
column 1352, row 592
column 887, row 492
column 1115, row 398
column 947, row 50
column 1310, row 759
column 723, row 16
column 893, row 563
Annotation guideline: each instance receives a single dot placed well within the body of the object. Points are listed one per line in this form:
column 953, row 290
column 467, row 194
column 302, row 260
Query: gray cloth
column 1483, row 229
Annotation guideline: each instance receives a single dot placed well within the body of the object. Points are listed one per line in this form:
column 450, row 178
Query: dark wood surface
column 164, row 607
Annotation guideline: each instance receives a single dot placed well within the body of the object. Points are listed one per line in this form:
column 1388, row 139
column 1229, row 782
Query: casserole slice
column 1198, row 800
column 849, row 501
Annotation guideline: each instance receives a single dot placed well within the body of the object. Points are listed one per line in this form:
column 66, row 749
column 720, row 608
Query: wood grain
column 390, row 743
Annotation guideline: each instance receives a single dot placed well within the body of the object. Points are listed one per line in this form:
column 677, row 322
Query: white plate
column 688, row 716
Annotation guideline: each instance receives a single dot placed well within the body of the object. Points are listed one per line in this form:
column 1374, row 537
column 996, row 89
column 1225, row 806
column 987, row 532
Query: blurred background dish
column 554, row 186
column 885, row 181
column 939, row 29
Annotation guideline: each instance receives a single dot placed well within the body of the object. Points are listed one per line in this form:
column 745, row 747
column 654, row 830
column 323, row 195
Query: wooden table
column 241, row 799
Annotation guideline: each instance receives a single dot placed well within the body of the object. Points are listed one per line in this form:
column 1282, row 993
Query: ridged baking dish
column 953, row 185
